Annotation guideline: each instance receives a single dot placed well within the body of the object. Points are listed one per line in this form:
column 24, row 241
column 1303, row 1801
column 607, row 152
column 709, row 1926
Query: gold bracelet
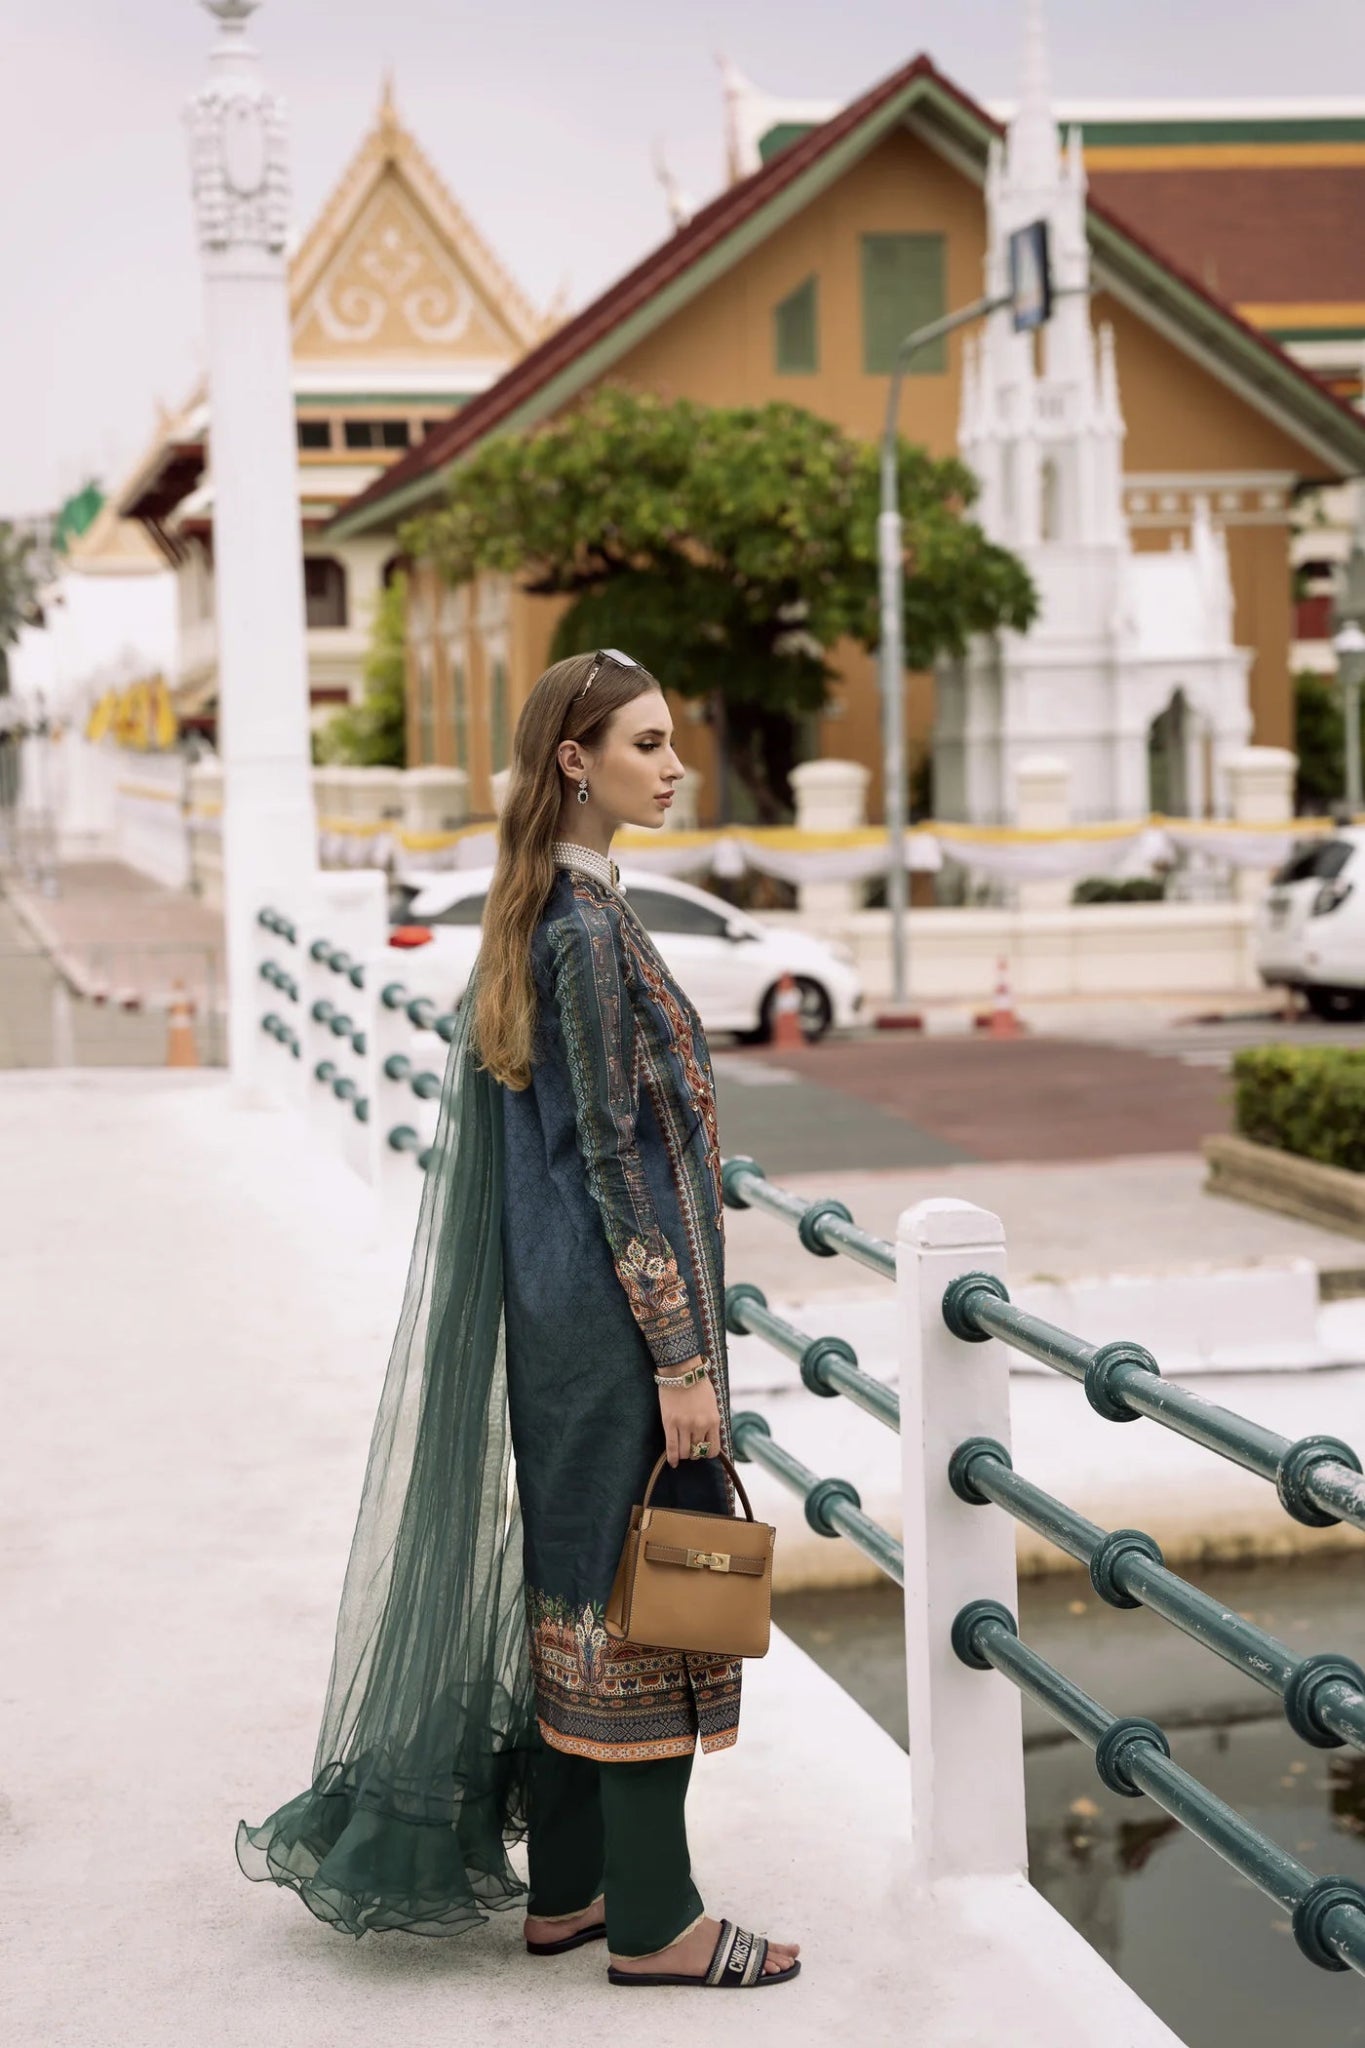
column 684, row 1379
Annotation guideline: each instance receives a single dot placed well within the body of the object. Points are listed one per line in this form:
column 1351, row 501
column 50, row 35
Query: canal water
column 1204, row 1948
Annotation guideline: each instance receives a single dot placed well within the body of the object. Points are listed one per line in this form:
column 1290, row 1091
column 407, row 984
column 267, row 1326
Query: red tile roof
column 1263, row 234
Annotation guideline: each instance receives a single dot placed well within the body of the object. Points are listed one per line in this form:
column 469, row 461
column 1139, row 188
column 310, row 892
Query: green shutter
column 796, row 331
column 903, row 288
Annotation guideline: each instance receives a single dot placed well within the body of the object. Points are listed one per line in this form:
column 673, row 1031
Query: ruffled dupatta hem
column 420, row 1774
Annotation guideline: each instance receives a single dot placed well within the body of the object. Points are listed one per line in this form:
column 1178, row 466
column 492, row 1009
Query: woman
column 566, row 1291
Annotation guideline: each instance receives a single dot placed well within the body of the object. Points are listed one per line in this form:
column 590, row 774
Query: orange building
column 792, row 285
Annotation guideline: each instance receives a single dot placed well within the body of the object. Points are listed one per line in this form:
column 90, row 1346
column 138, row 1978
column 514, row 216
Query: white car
column 1310, row 925
column 728, row 962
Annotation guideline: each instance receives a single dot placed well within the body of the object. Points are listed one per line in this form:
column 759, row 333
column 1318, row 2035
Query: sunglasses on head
column 606, row 654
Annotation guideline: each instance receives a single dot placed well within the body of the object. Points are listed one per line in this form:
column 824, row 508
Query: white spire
column 1033, row 131
column 1075, row 158
column 735, row 91
column 680, row 206
column 1111, row 413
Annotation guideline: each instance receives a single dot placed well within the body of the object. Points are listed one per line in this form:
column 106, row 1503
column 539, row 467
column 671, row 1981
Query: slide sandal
column 736, row 1965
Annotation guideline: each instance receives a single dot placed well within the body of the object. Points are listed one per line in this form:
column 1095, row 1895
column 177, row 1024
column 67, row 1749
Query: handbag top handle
column 663, row 1460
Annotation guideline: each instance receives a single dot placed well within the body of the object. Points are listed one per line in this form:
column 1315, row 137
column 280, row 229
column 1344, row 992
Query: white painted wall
column 98, row 630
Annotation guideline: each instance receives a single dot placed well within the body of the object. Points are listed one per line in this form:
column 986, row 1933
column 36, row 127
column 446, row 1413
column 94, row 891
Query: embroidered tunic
column 613, row 1254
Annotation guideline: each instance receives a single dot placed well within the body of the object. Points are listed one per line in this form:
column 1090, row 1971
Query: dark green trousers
column 617, row 1829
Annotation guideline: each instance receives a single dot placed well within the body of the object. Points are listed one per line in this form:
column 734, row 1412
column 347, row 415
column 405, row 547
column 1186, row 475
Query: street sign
column 1030, row 277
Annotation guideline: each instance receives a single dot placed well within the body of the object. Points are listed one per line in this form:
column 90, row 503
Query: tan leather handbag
column 689, row 1580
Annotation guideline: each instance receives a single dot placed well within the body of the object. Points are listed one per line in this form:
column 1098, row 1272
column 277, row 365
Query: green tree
column 1319, row 742
column 372, row 733
column 18, row 592
column 727, row 549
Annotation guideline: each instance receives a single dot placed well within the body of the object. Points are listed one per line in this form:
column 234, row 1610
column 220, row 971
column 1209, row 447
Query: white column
column 387, row 785
column 1260, row 792
column 241, row 206
column 1042, row 803
column 435, row 801
column 966, row 1730
column 831, row 796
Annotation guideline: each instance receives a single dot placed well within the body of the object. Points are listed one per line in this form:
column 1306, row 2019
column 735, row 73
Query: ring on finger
column 702, row 1449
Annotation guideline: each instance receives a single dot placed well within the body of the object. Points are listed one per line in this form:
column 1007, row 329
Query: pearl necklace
column 569, row 854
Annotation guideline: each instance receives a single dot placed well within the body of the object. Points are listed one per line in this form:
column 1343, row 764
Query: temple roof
column 1125, row 261
column 393, row 269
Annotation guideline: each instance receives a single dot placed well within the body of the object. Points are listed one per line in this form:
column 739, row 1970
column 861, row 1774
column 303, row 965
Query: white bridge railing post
column 966, row 1738
column 383, row 1061
column 348, row 911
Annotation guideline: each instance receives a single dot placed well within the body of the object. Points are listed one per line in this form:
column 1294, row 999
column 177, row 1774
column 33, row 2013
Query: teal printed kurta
column 613, row 1257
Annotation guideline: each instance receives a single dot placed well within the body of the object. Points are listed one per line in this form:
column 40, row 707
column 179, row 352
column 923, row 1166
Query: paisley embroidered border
column 622, row 1701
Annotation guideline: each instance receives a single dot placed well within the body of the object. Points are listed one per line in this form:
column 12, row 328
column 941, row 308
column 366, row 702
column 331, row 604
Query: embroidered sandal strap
column 739, row 1957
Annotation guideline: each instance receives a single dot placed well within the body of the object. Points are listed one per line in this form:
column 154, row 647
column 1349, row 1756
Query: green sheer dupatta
column 419, row 1780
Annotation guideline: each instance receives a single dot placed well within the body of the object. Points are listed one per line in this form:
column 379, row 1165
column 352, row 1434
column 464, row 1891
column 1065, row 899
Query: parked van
column 1310, row 925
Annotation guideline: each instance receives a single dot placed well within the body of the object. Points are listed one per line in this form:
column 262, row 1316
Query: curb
column 1329, row 1197
column 38, row 929
column 70, row 970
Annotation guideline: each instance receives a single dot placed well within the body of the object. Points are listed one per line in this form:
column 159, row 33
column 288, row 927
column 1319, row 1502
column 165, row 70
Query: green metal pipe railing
column 1318, row 1478
column 274, row 921
column 275, row 1027
column 833, row 1506
column 1133, row 1755
column 824, row 1227
column 828, row 1365
column 1323, row 1695
column 271, row 971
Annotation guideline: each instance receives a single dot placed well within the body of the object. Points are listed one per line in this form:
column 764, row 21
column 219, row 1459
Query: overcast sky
column 541, row 114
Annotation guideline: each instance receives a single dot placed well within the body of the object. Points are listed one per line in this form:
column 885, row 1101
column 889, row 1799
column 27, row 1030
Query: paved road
column 894, row 1101
column 1213, row 1045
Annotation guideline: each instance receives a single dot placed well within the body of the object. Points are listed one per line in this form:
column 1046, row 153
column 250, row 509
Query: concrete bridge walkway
column 196, row 1324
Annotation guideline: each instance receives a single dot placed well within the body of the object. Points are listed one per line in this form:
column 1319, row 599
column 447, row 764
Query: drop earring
column 583, row 790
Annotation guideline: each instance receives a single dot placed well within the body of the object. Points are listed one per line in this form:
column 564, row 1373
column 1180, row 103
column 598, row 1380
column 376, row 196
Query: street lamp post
column 891, row 663
column 1031, row 296
column 241, row 202
column 1348, row 645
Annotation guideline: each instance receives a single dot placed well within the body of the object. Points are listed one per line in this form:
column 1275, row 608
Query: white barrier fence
column 359, row 1030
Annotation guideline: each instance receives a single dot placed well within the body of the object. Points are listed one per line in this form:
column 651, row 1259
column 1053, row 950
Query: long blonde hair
column 505, row 1012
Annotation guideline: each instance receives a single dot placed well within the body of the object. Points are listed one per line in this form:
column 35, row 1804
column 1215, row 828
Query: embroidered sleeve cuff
column 659, row 1301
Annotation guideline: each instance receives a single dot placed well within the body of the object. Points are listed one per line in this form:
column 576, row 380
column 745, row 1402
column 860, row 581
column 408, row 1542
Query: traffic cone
column 181, row 1050
column 1002, row 1020
column 787, row 1033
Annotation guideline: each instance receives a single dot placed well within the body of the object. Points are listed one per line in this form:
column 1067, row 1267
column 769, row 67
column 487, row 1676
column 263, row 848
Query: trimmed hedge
column 1105, row 889
column 1309, row 1100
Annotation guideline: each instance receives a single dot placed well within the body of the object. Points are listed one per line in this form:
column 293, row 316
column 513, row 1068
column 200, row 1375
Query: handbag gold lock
column 709, row 1560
